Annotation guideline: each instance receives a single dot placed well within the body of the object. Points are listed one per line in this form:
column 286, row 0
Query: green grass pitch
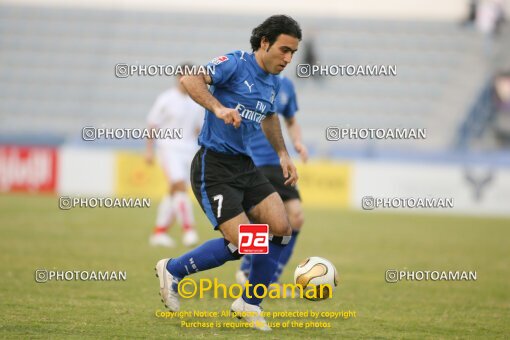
column 35, row 234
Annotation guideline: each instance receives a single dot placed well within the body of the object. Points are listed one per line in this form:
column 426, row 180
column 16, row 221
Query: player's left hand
column 149, row 158
column 302, row 150
column 289, row 170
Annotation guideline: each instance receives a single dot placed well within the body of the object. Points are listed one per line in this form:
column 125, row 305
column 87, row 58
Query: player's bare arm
column 273, row 132
column 149, row 151
column 294, row 130
column 198, row 91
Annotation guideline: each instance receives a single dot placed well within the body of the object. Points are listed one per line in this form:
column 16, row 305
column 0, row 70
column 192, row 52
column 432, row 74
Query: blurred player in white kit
column 174, row 109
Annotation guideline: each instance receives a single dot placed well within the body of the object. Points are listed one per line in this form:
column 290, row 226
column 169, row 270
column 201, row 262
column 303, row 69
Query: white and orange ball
column 317, row 274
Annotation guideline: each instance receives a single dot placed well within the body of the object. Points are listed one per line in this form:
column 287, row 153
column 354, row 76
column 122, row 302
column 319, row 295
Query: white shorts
column 176, row 163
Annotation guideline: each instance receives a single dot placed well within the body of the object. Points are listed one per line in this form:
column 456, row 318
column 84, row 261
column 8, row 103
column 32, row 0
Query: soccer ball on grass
column 317, row 276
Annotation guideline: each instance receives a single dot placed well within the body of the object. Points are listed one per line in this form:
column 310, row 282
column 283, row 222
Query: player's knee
column 281, row 228
column 297, row 219
column 230, row 234
column 230, row 237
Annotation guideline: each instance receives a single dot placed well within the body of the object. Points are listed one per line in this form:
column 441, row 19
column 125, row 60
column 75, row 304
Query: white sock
column 183, row 209
column 165, row 214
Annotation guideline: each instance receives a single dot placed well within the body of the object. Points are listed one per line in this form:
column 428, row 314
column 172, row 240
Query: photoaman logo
column 253, row 239
column 189, row 288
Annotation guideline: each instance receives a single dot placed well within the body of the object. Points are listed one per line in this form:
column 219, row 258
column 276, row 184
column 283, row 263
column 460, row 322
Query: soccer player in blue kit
column 267, row 161
column 225, row 181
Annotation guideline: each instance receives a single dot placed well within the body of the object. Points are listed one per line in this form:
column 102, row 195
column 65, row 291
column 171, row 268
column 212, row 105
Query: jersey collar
column 258, row 70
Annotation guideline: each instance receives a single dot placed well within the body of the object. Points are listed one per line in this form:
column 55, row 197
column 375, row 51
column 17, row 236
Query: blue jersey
column 238, row 82
column 262, row 152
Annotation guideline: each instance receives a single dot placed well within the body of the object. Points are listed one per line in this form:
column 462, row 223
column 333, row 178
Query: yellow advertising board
column 325, row 184
column 135, row 178
column 321, row 183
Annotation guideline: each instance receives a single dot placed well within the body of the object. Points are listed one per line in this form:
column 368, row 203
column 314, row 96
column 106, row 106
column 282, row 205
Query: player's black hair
column 272, row 27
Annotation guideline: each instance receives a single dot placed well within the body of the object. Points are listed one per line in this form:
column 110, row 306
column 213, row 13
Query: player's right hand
column 229, row 116
column 289, row 170
column 302, row 150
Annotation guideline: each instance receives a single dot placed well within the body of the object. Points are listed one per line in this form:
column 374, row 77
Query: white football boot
column 250, row 313
column 190, row 238
column 161, row 239
column 168, row 295
column 241, row 277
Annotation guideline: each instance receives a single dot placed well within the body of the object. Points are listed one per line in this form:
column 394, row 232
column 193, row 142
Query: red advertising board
column 28, row 169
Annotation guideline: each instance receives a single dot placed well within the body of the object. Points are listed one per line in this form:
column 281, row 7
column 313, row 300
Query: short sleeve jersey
column 238, row 82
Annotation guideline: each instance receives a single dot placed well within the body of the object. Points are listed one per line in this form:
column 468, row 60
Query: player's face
column 279, row 55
